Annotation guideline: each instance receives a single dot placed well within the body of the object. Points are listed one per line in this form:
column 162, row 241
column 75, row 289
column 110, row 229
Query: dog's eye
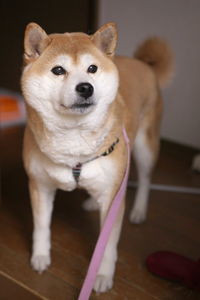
column 58, row 70
column 92, row 69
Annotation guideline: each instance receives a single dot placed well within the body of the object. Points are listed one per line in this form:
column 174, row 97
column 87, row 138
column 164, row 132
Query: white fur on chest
column 71, row 148
column 97, row 176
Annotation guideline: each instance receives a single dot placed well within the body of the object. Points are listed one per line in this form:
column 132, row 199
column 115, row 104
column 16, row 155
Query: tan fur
column 138, row 105
column 159, row 57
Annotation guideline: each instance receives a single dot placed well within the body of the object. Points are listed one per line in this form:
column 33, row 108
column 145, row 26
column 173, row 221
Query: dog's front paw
column 137, row 216
column 103, row 283
column 40, row 262
column 90, row 205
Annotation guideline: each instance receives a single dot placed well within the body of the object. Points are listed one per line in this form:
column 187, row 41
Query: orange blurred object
column 12, row 110
column 9, row 108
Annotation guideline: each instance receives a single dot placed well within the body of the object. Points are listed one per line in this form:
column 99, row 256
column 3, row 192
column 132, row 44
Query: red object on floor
column 172, row 266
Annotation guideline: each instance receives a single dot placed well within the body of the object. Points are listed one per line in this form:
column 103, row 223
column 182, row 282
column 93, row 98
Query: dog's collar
column 76, row 171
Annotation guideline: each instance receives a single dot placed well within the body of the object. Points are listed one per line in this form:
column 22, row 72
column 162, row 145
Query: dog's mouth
column 82, row 105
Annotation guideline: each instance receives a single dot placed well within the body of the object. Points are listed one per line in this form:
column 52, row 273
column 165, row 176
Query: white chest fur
column 96, row 176
column 70, row 147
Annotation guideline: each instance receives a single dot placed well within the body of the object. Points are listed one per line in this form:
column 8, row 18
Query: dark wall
column 53, row 16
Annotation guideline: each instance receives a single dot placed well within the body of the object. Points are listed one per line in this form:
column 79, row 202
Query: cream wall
column 177, row 21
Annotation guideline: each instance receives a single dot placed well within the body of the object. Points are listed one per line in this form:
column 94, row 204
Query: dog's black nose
column 85, row 89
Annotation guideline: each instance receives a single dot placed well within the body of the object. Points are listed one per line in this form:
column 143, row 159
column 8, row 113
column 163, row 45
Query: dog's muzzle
column 84, row 100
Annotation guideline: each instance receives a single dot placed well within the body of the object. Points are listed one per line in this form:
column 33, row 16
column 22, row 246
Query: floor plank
column 11, row 288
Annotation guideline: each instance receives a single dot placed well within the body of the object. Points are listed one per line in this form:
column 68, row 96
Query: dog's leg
column 104, row 280
column 90, row 204
column 145, row 158
column 42, row 204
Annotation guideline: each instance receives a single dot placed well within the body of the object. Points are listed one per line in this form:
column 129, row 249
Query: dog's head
column 70, row 73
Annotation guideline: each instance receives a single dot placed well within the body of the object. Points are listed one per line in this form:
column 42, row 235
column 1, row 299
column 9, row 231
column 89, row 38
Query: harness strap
column 76, row 171
column 105, row 232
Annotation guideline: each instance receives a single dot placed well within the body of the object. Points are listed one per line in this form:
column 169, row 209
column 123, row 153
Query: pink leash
column 105, row 233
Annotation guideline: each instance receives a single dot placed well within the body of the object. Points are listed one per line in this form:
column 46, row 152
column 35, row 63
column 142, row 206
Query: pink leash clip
column 105, row 232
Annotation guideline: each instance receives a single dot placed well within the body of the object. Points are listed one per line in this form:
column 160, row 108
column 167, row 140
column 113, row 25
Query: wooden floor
column 173, row 224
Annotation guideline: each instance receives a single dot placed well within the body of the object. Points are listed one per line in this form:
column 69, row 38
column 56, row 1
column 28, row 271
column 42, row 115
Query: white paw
column 137, row 216
column 90, row 205
column 103, row 283
column 40, row 262
column 196, row 163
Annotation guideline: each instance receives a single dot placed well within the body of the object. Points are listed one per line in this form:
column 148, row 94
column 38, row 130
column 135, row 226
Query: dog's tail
column 157, row 54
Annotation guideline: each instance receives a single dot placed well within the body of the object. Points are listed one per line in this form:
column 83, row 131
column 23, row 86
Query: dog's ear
column 106, row 38
column 35, row 41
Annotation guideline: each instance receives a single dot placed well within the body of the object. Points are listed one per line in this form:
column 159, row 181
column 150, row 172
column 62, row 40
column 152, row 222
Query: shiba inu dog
column 79, row 96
